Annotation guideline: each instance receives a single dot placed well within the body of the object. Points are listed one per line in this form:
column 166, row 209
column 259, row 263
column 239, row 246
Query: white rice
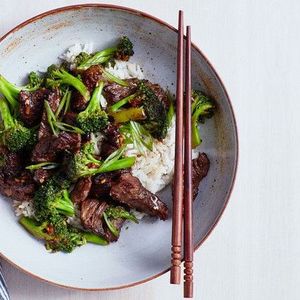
column 23, row 208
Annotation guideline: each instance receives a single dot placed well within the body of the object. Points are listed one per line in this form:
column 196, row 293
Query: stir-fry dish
column 86, row 145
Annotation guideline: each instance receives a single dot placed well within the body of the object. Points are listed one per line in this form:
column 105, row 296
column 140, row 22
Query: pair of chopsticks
column 182, row 193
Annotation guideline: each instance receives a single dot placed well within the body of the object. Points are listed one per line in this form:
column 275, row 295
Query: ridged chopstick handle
column 175, row 261
column 188, row 279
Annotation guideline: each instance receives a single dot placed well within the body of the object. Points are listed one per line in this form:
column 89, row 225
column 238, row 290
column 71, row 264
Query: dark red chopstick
column 178, row 177
column 188, row 200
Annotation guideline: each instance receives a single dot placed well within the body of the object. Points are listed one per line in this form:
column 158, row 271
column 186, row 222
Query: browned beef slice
column 67, row 141
column 113, row 140
column 53, row 98
column 90, row 78
column 31, row 106
column 91, row 215
column 42, row 151
column 81, row 189
column 102, row 184
column 114, row 92
column 11, row 163
column 129, row 190
column 70, row 118
column 200, row 167
column 42, row 175
column 20, row 188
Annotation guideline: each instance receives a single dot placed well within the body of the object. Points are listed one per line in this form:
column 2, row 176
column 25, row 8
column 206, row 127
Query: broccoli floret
column 58, row 76
column 202, row 107
column 35, row 81
column 124, row 49
column 14, row 135
column 57, row 125
column 83, row 162
column 81, row 58
column 93, row 118
column 56, row 233
column 53, row 198
column 156, row 112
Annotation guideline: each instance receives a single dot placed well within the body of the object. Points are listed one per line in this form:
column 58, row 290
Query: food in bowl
column 86, row 146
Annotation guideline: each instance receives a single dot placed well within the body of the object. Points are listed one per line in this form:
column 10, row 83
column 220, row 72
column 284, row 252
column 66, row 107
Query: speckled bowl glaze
column 143, row 251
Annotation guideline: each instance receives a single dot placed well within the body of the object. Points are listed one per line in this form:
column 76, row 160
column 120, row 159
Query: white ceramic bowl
column 143, row 251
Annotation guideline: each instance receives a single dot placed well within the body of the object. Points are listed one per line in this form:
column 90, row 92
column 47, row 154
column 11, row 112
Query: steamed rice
column 153, row 168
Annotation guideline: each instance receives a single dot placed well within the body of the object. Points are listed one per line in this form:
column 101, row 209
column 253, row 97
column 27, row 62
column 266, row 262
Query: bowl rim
column 165, row 24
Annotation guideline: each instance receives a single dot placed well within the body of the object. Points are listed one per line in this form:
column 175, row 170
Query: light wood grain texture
column 254, row 253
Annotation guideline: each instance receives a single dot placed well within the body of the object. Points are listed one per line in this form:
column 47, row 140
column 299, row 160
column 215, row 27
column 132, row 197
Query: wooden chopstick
column 188, row 200
column 178, row 177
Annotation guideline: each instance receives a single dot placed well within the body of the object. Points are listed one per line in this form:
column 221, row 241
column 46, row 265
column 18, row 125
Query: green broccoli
column 53, row 198
column 202, row 107
column 81, row 58
column 14, row 135
column 122, row 51
column 34, row 81
column 83, row 163
column 155, row 110
column 93, row 118
column 115, row 212
column 58, row 76
column 57, row 234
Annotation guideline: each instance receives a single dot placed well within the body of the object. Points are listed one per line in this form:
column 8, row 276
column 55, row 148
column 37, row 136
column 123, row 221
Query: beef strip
column 91, row 218
column 102, row 183
column 53, row 98
column 31, row 106
column 90, row 78
column 20, row 188
column 67, row 141
column 114, row 92
column 129, row 190
column 70, row 118
column 48, row 147
column 113, row 140
column 91, row 215
column 81, row 189
column 42, row 175
column 42, row 151
column 10, row 163
column 200, row 167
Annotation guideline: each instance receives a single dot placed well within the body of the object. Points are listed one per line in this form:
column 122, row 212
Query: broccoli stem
column 7, row 118
column 67, row 78
column 122, row 102
column 98, row 58
column 129, row 114
column 94, row 239
column 196, row 139
column 38, row 231
column 112, row 78
column 9, row 91
column 94, row 103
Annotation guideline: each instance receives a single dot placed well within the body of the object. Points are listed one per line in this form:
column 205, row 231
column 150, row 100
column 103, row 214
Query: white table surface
column 254, row 252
